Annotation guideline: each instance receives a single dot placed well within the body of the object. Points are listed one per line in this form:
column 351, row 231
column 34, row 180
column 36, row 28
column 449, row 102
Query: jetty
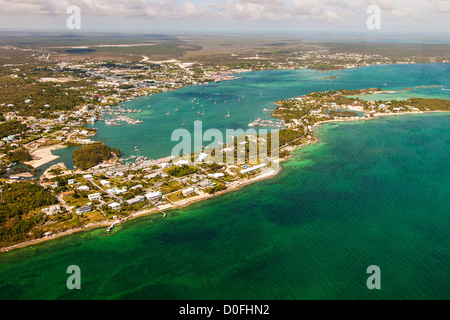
column 164, row 213
column 113, row 225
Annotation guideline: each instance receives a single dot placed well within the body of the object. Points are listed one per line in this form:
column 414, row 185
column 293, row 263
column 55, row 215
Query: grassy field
column 213, row 49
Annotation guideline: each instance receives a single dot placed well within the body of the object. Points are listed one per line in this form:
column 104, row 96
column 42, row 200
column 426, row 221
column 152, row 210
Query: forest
column 11, row 127
column 91, row 155
column 18, row 200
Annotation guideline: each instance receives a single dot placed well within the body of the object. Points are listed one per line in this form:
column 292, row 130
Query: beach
column 44, row 155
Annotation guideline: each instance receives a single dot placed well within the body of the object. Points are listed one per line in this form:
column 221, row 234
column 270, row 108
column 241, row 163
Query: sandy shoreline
column 44, row 155
column 269, row 173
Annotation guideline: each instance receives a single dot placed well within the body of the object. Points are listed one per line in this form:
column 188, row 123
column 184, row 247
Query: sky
column 252, row 16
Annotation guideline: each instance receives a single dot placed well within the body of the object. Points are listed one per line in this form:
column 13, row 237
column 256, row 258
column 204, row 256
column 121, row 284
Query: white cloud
column 314, row 12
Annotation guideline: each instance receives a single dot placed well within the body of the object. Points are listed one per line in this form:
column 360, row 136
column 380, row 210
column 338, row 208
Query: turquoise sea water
column 246, row 99
column 370, row 193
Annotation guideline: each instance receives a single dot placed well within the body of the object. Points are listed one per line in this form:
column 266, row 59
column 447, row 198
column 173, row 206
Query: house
column 153, row 196
column 114, row 205
column 83, row 210
column 217, row 175
column 83, row 188
column 202, row 157
column 182, row 163
column 136, row 200
column 52, row 210
column 94, row 196
column 187, row 192
column 49, row 184
column 164, row 165
column 105, row 183
column 68, row 193
column 205, row 183
column 253, row 168
column 152, row 176
column 70, row 181
column 88, row 176
column 117, row 190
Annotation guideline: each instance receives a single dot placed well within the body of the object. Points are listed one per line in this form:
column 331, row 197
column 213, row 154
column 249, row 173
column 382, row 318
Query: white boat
column 228, row 115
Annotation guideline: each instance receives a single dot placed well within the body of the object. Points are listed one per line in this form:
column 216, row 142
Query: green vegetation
column 18, row 201
column 181, row 171
column 19, row 155
column 10, row 128
column 431, row 104
column 91, row 155
column 334, row 113
column 217, row 188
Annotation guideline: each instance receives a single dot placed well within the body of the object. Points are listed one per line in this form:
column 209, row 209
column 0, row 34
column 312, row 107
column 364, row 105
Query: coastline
column 181, row 204
column 267, row 174
column 44, row 155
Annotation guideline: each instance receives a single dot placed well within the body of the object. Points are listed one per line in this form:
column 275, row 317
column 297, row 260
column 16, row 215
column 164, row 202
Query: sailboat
column 260, row 93
column 184, row 123
column 203, row 112
column 168, row 112
column 176, row 110
column 228, row 115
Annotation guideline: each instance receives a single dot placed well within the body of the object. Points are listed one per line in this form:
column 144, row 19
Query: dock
column 113, row 225
column 164, row 213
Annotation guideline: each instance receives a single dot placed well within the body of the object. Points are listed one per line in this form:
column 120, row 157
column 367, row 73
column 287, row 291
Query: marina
column 116, row 116
column 267, row 123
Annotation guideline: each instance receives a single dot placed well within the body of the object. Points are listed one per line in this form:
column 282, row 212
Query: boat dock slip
column 164, row 213
column 113, row 225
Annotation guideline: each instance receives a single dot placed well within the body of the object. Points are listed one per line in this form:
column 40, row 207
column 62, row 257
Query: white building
column 164, row 165
column 253, row 168
column 182, row 163
column 187, row 192
column 136, row 200
column 114, row 206
column 83, row 210
column 95, row 196
column 105, row 183
column 153, row 196
column 217, row 175
column 52, row 210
